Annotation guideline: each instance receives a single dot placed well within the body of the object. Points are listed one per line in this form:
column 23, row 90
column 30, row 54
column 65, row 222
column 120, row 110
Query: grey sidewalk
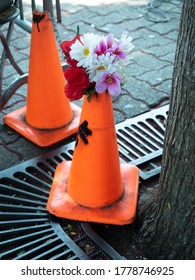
column 150, row 70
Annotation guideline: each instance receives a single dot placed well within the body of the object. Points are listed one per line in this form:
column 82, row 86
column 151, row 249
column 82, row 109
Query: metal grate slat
column 20, row 208
column 42, row 249
column 18, row 200
column 146, row 130
column 50, row 252
column 23, row 193
column 25, row 247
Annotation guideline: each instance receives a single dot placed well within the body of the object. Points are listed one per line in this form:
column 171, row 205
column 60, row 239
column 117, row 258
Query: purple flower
column 105, row 45
column 101, row 48
column 110, row 82
column 108, row 45
column 109, row 40
column 118, row 51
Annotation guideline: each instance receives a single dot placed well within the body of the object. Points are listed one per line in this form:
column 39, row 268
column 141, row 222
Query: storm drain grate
column 28, row 231
column 141, row 140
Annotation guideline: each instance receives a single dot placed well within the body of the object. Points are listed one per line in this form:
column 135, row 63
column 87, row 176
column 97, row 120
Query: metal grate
column 28, row 231
column 141, row 139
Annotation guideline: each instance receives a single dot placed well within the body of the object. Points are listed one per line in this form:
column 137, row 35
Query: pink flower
column 101, row 48
column 118, row 51
column 104, row 45
column 109, row 40
column 110, row 82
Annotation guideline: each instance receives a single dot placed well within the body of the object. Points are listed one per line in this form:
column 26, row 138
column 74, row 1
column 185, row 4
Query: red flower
column 77, row 81
column 65, row 46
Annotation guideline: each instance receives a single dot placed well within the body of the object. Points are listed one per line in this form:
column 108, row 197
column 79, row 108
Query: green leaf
column 69, row 227
column 78, row 30
column 85, row 92
column 89, row 97
column 90, row 91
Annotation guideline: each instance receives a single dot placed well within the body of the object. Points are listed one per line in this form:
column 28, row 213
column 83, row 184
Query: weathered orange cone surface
column 94, row 186
column 48, row 116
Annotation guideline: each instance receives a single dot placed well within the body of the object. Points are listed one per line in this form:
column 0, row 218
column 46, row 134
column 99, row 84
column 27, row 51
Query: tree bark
column 168, row 229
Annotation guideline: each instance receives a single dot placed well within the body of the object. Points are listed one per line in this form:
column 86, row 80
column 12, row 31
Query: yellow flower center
column 109, row 80
column 101, row 68
column 86, row 51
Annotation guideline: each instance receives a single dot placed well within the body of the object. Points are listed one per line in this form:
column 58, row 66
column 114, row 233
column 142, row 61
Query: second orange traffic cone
column 48, row 116
column 94, row 186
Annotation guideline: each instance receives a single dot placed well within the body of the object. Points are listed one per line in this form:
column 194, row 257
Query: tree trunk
column 168, row 229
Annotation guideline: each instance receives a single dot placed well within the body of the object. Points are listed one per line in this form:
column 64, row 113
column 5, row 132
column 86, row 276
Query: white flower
column 99, row 64
column 126, row 44
column 83, row 50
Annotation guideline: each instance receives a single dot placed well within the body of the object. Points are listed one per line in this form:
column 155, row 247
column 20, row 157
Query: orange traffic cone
column 48, row 116
column 94, row 186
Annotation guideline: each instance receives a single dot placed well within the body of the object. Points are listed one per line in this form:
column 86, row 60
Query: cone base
column 121, row 212
column 42, row 137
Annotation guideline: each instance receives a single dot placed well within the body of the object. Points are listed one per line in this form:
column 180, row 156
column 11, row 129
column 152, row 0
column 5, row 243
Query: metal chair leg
column 8, row 52
column 58, row 11
column 11, row 89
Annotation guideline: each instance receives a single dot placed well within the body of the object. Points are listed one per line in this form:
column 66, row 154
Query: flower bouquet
column 97, row 64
